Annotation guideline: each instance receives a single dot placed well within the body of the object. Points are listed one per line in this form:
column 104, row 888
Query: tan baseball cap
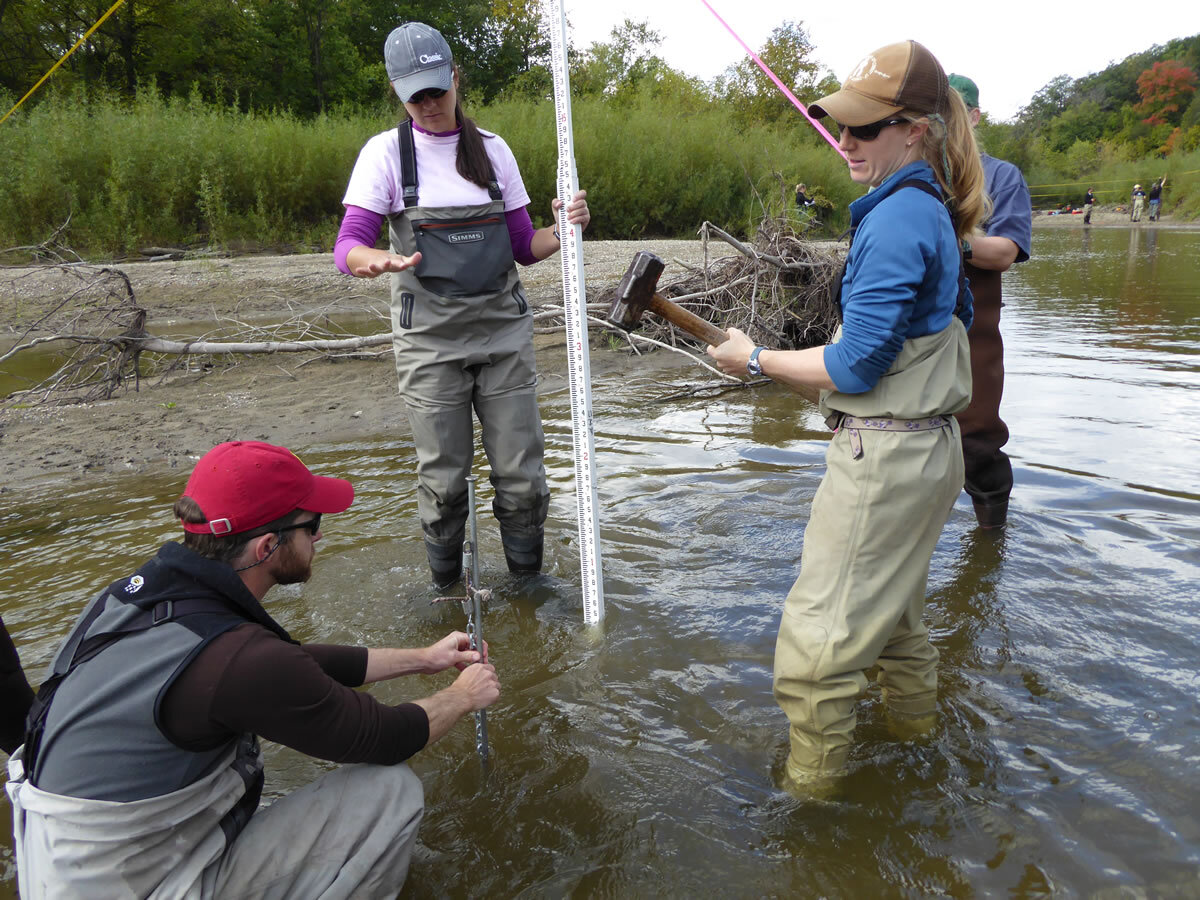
column 895, row 77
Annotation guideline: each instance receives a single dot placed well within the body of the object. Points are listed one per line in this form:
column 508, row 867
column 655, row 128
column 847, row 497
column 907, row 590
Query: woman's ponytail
column 949, row 147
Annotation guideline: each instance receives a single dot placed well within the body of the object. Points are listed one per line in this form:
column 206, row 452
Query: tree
column 618, row 68
column 787, row 53
column 1166, row 89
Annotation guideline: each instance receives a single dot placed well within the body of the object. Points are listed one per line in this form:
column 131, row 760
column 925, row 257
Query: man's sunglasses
column 431, row 93
column 313, row 526
column 869, row 132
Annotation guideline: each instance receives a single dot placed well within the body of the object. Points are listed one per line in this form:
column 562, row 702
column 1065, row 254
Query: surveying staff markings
column 575, row 315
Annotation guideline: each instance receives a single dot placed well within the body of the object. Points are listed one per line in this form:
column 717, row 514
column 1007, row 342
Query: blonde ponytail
column 949, row 147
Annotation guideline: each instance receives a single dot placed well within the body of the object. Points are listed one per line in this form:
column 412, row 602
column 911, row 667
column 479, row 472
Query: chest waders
column 893, row 470
column 989, row 477
column 463, row 337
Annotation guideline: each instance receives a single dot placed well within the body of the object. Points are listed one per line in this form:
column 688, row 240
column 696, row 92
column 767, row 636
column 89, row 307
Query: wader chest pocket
column 463, row 257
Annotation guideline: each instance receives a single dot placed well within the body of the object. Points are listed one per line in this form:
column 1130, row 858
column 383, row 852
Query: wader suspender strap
column 960, row 304
column 408, row 167
column 159, row 614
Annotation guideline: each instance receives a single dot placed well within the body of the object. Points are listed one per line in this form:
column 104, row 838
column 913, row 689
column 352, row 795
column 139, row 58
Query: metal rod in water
column 473, row 607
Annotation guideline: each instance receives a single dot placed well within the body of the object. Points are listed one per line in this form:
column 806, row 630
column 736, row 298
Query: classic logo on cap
column 866, row 69
column 466, row 237
column 430, row 57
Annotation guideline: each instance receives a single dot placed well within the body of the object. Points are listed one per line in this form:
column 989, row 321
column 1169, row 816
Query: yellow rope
column 62, row 59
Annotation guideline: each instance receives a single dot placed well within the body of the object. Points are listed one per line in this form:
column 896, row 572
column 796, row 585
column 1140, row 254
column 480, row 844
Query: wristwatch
column 753, row 366
column 966, row 249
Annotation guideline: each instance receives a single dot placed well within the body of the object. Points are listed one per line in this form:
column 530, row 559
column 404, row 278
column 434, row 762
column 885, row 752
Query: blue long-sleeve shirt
column 901, row 281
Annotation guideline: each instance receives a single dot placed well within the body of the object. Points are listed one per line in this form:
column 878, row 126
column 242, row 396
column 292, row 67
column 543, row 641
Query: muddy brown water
column 641, row 758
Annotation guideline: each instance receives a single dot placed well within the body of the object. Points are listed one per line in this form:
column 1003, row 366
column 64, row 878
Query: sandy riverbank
column 290, row 399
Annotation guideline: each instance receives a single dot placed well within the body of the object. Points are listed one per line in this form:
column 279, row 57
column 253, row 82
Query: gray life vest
column 95, row 730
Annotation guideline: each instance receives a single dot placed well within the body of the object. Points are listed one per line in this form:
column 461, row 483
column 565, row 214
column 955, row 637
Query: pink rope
column 779, row 84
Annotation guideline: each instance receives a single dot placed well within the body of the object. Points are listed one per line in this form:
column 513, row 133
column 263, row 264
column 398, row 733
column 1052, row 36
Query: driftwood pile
column 777, row 290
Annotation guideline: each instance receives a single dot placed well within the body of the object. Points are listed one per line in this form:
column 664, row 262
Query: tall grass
column 181, row 172
column 156, row 172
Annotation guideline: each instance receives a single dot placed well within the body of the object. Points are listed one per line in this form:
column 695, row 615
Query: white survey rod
column 575, row 313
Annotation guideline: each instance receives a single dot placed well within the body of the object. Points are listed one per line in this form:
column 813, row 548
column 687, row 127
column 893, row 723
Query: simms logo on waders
column 466, row 237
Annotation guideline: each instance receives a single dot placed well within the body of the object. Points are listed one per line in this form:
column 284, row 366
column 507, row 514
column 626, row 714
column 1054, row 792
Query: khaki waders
column 463, row 337
column 875, row 520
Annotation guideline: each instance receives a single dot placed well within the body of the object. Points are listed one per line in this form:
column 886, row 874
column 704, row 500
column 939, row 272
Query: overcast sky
column 1011, row 49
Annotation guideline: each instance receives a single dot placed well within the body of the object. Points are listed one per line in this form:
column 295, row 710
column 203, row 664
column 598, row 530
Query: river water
column 641, row 758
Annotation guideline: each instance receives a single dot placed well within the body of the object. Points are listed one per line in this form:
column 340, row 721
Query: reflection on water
column 639, row 758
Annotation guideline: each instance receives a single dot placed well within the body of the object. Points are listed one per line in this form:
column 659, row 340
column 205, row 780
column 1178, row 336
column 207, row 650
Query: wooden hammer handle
column 689, row 322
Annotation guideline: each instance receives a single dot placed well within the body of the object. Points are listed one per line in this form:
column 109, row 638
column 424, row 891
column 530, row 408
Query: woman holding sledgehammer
column 455, row 203
column 897, row 371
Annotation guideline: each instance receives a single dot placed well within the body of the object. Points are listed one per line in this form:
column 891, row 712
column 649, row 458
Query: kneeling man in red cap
column 140, row 774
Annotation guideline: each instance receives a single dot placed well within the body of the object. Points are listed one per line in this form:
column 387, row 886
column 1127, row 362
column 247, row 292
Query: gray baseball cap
column 417, row 57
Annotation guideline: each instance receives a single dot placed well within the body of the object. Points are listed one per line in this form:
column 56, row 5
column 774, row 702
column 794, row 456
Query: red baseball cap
column 241, row 485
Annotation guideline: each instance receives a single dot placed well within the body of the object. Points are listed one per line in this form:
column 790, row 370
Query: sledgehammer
column 636, row 294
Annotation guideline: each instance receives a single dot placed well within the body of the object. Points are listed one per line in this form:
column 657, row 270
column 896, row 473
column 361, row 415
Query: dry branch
column 777, row 290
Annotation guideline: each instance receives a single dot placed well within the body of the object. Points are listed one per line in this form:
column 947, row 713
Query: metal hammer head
column 636, row 290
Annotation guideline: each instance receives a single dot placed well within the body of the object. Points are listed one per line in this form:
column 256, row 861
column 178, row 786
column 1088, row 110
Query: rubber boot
column 445, row 563
column 523, row 553
column 991, row 514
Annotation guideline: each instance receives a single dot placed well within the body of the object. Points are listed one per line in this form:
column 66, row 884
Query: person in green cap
column 1006, row 239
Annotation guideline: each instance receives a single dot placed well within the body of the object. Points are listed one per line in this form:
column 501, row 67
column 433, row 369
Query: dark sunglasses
column 869, row 132
column 313, row 526
column 431, row 93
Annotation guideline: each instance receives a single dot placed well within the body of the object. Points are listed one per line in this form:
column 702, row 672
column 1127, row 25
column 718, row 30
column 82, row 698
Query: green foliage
column 237, row 122
column 787, row 53
column 184, row 172
column 677, row 172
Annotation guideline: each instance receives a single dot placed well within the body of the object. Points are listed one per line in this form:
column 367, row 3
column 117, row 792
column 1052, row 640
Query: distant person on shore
column 1156, row 190
column 141, row 774
column 1089, row 201
column 1007, row 239
column 802, row 198
column 890, row 383
column 1138, row 201
column 455, row 205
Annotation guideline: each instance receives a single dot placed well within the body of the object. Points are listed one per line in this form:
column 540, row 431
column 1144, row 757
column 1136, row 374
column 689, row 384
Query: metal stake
column 473, row 608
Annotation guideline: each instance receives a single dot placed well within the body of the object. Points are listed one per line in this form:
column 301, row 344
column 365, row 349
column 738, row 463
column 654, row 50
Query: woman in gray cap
column 897, row 371
column 462, row 330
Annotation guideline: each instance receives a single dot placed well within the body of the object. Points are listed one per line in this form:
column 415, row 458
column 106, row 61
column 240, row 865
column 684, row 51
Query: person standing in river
column 141, row 774
column 1007, row 238
column 891, row 381
column 455, row 205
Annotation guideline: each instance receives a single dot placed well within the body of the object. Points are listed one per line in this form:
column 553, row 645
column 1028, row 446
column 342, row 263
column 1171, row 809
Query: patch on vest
column 135, row 584
column 466, row 237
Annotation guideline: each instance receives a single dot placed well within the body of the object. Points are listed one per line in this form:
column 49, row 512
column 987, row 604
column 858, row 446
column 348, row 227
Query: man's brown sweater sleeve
column 248, row 680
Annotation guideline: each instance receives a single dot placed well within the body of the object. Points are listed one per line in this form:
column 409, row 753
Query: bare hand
column 479, row 685
column 731, row 357
column 385, row 262
column 577, row 210
column 453, row 650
